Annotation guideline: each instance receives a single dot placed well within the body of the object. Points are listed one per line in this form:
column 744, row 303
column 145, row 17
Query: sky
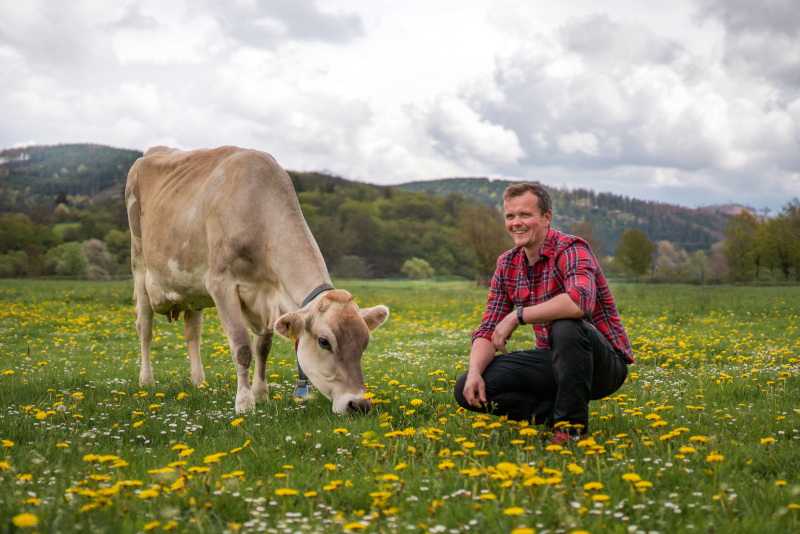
column 690, row 102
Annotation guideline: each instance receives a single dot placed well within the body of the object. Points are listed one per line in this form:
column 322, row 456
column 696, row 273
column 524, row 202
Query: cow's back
column 192, row 213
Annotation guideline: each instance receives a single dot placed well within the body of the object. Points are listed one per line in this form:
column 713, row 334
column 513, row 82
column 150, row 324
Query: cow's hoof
column 260, row 390
column 245, row 402
column 146, row 380
column 198, row 379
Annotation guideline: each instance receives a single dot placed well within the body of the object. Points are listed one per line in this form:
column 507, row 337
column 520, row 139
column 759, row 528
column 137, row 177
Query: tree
column 72, row 261
column 585, row 230
column 740, row 245
column 417, row 268
column 783, row 244
column 483, row 232
column 700, row 265
column 634, row 252
column 717, row 266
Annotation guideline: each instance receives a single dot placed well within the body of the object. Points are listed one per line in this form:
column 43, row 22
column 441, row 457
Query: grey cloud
column 747, row 16
column 598, row 38
column 761, row 38
column 54, row 33
column 267, row 23
column 134, row 18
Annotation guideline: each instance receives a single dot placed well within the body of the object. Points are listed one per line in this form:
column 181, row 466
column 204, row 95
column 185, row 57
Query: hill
column 610, row 214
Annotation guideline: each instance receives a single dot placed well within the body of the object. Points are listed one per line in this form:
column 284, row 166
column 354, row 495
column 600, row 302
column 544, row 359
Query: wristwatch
column 519, row 316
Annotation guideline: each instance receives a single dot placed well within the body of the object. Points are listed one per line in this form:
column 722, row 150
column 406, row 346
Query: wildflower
column 593, row 486
column 767, row 441
column 687, row 450
column 310, row 494
column 355, row 525
column 600, row 497
column 214, row 458
column 197, row 469
column 780, row 482
column 340, row 431
column 447, row 464
column 514, row 510
column 286, row 491
column 186, row 452
column 181, row 395
column 172, row 524
column 400, row 466
column 368, row 395
column 330, row 467
column 237, row 422
column 8, row 444
column 701, row 439
column 631, row 477
column 523, row 530
column 714, row 457
column 25, row 520
column 575, row 469
column 148, row 494
column 151, row 525
column 5, row 465
column 488, row 496
column 416, row 402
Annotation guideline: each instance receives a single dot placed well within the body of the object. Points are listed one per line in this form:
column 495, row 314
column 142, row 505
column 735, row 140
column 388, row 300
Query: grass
column 703, row 436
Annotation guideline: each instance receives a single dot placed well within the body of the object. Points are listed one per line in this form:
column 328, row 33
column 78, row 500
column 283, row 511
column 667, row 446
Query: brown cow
column 223, row 228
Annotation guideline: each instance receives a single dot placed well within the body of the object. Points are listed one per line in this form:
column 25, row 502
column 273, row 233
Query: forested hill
column 610, row 214
column 76, row 169
column 32, row 177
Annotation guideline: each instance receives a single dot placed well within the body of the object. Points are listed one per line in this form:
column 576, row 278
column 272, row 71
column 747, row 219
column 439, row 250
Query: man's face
column 527, row 226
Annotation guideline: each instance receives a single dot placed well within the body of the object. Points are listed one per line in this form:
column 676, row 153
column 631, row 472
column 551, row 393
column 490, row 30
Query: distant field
column 703, row 437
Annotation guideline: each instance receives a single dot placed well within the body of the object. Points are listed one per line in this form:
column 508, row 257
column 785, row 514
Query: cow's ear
column 374, row 317
column 290, row 325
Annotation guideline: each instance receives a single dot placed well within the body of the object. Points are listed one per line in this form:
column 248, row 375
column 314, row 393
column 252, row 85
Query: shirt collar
column 550, row 244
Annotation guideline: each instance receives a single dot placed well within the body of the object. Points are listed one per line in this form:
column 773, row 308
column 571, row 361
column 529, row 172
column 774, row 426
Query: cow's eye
column 324, row 343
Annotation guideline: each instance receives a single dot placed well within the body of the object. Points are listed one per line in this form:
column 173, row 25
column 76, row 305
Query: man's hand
column 475, row 390
column 503, row 331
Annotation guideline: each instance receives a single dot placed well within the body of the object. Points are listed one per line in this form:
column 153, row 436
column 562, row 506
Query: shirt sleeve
column 579, row 268
column 497, row 308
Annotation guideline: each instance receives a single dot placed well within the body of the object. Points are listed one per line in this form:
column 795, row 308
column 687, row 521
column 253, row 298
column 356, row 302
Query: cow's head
column 332, row 333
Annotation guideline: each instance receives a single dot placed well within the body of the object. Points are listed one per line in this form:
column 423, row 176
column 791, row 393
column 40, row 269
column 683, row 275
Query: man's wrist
column 519, row 316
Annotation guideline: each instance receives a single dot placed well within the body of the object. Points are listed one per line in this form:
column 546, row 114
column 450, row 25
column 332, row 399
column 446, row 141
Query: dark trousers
column 552, row 385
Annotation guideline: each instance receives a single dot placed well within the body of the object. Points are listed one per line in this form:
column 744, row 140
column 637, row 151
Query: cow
column 223, row 227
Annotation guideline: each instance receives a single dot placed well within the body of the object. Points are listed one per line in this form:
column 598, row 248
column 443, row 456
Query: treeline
column 757, row 249
column 609, row 214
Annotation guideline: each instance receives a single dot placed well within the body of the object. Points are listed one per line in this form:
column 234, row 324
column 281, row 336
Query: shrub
column 417, row 268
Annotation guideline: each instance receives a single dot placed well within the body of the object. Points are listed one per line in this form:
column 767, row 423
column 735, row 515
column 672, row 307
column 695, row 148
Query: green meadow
column 704, row 436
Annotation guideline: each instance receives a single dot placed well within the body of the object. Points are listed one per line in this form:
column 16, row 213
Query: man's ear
column 290, row 325
column 374, row 317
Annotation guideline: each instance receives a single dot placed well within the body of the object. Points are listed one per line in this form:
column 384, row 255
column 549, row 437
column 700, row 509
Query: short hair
column 517, row 190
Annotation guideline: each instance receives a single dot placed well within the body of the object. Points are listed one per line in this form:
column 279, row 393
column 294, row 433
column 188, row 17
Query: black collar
column 317, row 290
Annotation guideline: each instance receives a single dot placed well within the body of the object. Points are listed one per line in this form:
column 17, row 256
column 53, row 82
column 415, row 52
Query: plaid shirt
column 565, row 265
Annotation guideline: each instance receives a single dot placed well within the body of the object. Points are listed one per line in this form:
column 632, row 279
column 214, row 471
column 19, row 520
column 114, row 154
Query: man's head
column 517, row 190
column 528, row 214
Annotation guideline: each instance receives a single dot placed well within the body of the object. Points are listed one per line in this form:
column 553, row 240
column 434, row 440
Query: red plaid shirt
column 565, row 265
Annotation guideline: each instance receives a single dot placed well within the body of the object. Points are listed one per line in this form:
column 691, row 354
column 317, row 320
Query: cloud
column 761, row 38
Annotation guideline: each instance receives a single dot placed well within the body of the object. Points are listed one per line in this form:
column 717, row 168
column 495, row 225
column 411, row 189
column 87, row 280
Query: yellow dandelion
column 151, row 525
column 148, row 494
column 780, row 482
column 185, row 452
column 340, row 431
column 416, row 402
column 600, row 497
column 767, row 441
column 286, row 491
column 631, row 477
column 488, row 496
column 25, row 520
column 593, row 486
column 514, row 510
column 237, row 422
column 310, row 494
column 355, row 525
column 523, row 530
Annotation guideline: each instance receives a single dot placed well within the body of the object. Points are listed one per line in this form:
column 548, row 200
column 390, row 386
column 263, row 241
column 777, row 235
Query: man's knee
column 565, row 328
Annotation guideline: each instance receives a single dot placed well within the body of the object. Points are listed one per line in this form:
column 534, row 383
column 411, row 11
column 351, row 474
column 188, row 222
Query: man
column 552, row 281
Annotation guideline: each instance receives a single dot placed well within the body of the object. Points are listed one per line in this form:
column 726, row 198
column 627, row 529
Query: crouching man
column 552, row 281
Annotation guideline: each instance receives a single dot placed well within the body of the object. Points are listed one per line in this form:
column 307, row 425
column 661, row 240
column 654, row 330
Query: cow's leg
column 229, row 308
column 144, row 327
column 262, row 346
column 194, row 325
